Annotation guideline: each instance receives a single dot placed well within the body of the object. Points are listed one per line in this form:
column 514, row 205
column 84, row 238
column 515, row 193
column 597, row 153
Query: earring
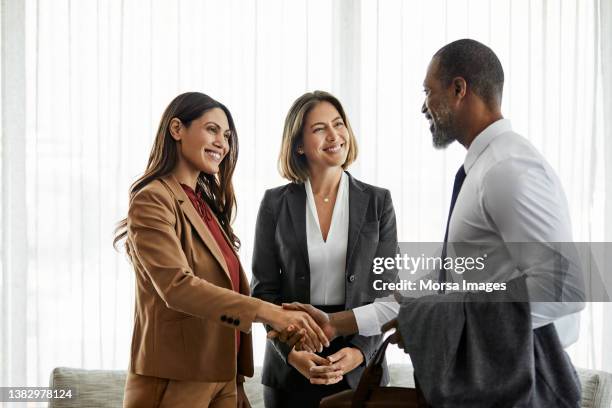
column 300, row 150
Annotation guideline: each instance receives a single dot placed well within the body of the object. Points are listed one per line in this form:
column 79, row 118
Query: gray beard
column 442, row 138
column 442, row 133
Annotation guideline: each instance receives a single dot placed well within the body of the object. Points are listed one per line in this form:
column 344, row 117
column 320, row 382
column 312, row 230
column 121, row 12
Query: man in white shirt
column 510, row 197
column 509, row 204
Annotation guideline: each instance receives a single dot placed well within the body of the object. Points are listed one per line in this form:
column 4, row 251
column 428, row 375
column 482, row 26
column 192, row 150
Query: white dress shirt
column 370, row 317
column 510, row 195
column 328, row 258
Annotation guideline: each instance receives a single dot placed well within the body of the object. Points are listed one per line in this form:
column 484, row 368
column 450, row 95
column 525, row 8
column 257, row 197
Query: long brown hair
column 217, row 190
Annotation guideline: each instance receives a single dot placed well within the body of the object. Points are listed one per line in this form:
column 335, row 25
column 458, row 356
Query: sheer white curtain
column 84, row 83
column 605, row 20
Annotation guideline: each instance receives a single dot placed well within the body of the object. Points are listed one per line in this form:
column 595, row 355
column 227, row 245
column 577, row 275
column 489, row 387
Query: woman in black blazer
column 315, row 242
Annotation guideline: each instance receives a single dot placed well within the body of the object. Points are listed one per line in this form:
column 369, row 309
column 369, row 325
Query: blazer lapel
column 196, row 221
column 244, row 282
column 297, row 208
column 358, row 205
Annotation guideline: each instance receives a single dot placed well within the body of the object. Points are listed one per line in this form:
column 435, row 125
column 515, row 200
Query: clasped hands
column 319, row 370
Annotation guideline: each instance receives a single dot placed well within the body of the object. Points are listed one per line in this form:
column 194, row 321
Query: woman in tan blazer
column 191, row 344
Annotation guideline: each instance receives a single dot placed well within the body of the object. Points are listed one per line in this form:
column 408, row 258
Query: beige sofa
column 104, row 389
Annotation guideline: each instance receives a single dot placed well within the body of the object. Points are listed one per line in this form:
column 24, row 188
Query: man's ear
column 175, row 127
column 459, row 87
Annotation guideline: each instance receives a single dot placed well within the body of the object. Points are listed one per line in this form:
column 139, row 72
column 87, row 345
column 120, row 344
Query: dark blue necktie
column 459, row 178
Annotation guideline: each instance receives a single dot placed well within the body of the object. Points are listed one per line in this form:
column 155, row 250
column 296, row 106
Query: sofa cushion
column 596, row 388
column 93, row 388
column 596, row 385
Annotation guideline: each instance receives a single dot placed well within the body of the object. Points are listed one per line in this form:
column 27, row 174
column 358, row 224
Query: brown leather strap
column 372, row 376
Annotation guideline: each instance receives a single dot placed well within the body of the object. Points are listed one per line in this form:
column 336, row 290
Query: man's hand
column 305, row 362
column 396, row 337
column 242, row 400
column 292, row 337
column 322, row 318
column 281, row 319
column 343, row 361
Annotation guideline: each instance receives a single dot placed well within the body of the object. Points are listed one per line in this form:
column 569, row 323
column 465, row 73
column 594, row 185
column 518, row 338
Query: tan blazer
column 186, row 312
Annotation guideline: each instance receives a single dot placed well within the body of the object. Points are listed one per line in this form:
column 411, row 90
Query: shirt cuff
column 386, row 311
column 367, row 320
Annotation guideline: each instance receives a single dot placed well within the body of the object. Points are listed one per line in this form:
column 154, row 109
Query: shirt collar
column 191, row 193
column 188, row 190
column 483, row 139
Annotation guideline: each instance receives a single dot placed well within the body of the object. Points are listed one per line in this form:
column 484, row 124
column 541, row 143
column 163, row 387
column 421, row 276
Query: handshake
column 318, row 330
column 307, row 330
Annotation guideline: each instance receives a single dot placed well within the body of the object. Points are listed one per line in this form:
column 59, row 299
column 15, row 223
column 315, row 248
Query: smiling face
column 205, row 142
column 437, row 108
column 325, row 137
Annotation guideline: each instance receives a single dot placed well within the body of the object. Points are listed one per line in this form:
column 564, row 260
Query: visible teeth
column 214, row 155
column 333, row 149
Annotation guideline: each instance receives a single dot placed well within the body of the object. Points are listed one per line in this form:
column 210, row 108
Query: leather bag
column 370, row 394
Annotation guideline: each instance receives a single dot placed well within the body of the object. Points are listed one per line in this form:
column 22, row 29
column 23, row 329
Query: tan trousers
column 151, row 392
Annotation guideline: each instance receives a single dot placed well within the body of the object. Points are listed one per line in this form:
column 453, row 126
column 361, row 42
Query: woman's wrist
column 266, row 313
column 359, row 355
column 291, row 357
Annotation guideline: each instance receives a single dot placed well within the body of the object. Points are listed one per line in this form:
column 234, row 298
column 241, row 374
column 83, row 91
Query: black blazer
column 281, row 271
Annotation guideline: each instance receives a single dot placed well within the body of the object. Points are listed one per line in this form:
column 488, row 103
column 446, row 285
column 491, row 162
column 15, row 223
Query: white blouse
column 328, row 258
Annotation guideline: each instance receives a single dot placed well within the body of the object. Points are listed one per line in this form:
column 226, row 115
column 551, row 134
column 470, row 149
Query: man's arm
column 526, row 203
column 370, row 318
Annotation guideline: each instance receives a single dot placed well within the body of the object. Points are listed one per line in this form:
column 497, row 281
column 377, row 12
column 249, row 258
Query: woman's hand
column 280, row 319
column 242, row 400
column 320, row 317
column 344, row 361
column 305, row 362
column 292, row 337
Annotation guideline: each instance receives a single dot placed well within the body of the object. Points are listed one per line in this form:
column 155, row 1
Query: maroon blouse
column 233, row 264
